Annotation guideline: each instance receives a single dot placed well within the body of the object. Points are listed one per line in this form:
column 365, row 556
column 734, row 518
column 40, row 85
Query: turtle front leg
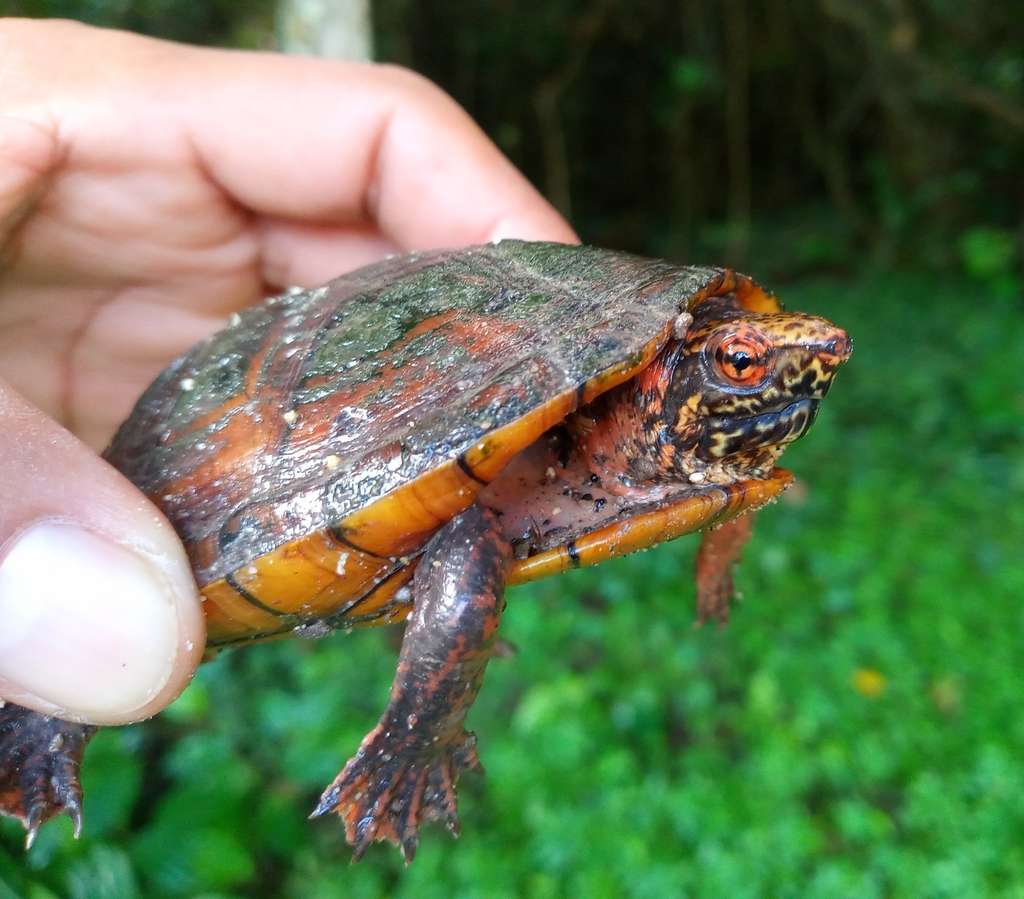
column 40, row 760
column 407, row 767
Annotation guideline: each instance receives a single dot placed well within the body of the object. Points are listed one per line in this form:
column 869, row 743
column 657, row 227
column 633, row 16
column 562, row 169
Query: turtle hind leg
column 40, row 760
column 407, row 767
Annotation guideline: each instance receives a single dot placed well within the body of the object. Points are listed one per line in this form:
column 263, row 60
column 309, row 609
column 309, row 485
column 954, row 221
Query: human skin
column 147, row 191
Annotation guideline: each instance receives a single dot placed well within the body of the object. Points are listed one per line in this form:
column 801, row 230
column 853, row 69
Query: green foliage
column 991, row 255
column 679, row 129
column 689, row 75
column 855, row 732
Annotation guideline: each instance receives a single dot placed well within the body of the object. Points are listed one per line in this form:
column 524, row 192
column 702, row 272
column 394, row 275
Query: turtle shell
column 306, row 453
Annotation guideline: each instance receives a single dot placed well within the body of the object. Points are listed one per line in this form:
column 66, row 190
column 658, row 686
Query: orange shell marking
column 355, row 574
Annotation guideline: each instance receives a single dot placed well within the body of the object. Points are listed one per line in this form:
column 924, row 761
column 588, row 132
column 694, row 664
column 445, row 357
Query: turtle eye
column 742, row 357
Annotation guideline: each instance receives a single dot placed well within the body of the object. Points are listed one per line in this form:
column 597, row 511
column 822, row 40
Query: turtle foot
column 389, row 788
column 40, row 760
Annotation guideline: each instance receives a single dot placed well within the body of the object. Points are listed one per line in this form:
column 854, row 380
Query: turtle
column 415, row 436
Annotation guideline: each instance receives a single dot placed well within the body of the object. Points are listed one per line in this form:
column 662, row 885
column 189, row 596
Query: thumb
column 99, row 617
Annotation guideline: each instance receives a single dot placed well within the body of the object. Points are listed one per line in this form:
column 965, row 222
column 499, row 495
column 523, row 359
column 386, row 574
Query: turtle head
column 736, row 389
column 744, row 386
column 720, row 402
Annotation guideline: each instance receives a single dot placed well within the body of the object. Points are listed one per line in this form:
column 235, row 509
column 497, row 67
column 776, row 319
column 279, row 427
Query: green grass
column 857, row 730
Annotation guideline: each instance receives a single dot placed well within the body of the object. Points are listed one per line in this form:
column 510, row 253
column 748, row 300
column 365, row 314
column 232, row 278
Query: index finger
column 342, row 143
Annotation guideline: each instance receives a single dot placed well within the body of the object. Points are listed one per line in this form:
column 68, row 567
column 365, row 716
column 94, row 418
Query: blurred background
column 857, row 730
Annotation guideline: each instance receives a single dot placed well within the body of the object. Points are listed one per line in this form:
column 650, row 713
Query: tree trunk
column 336, row 29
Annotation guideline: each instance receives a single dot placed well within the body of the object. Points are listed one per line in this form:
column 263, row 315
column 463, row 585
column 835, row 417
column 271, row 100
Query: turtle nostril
column 841, row 346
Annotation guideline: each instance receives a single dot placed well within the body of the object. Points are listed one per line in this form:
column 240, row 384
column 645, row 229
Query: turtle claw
column 75, row 813
column 40, row 758
column 409, row 846
column 72, row 808
column 32, row 825
column 385, row 792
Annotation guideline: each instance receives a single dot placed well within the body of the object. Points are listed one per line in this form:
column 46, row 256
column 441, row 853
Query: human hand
column 147, row 191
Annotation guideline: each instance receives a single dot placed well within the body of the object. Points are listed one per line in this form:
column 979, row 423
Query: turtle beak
column 777, row 427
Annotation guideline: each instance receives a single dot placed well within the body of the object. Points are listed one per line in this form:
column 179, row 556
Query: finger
column 342, row 143
column 304, row 254
column 99, row 619
column 292, row 139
